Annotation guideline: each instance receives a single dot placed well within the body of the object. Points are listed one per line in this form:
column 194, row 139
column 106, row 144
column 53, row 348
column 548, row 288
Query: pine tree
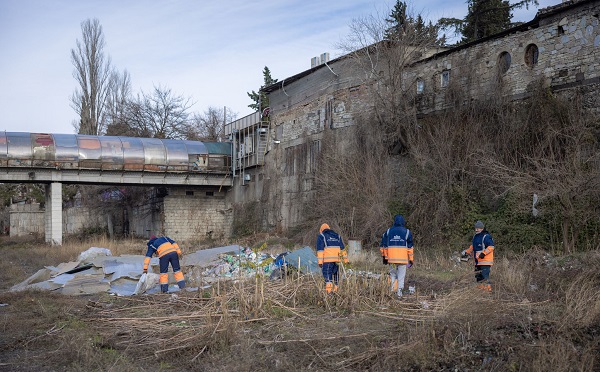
column 484, row 18
column 397, row 20
column 414, row 31
column 261, row 100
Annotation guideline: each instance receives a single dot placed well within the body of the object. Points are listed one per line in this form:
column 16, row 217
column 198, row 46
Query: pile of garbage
column 97, row 270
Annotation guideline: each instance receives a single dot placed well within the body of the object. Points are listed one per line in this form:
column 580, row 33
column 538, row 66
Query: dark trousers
column 172, row 259
column 482, row 273
column 330, row 272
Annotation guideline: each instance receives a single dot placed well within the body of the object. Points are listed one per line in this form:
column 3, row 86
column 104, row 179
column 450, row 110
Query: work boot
column 399, row 294
column 328, row 287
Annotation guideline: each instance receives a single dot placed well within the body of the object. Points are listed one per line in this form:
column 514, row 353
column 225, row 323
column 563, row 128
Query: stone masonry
column 560, row 47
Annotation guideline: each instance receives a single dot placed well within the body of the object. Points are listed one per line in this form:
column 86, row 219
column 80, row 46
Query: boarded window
column 531, row 55
column 504, row 60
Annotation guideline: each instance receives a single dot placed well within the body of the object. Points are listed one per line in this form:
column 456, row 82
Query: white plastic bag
column 92, row 253
column 146, row 282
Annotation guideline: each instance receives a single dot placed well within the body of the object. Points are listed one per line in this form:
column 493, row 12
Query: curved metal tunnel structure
column 75, row 151
column 54, row 159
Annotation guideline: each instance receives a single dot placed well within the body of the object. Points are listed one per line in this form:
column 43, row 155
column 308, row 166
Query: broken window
column 420, row 86
column 445, row 78
column 531, row 55
column 504, row 62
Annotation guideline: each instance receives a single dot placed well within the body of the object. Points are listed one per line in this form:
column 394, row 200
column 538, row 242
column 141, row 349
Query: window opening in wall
column 504, row 62
column 420, row 86
column 561, row 30
column 445, row 78
column 189, row 193
column 531, row 55
column 210, row 193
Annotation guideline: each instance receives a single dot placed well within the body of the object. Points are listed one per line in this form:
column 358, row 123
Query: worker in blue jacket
column 330, row 251
column 397, row 250
column 168, row 252
column 482, row 248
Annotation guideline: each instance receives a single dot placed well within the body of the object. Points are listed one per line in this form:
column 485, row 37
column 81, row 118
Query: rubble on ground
column 97, row 270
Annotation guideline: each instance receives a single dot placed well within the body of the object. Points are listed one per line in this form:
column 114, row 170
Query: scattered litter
column 97, row 270
column 147, row 281
column 2, row 305
column 92, row 253
column 425, row 304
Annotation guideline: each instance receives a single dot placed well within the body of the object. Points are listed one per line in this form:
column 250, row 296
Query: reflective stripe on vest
column 397, row 254
column 165, row 248
column 330, row 254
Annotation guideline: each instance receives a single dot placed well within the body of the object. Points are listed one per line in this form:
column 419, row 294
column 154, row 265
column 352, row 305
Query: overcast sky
column 210, row 51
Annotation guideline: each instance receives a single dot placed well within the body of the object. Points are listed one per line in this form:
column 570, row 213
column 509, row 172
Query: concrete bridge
column 54, row 159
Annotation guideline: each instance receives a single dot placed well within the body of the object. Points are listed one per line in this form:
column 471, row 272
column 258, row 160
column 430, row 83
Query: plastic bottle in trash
column 411, row 287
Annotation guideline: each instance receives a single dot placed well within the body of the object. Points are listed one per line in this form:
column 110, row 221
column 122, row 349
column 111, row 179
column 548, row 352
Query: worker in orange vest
column 330, row 251
column 397, row 250
column 168, row 252
column 482, row 249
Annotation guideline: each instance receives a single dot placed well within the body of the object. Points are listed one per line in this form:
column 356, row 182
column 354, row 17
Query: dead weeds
column 537, row 318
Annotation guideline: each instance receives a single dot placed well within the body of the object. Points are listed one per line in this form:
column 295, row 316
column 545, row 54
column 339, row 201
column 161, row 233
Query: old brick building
column 560, row 47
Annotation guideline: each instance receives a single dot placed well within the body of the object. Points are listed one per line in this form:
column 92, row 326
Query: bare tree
column 209, row 126
column 161, row 114
column 119, row 94
column 92, row 72
column 363, row 161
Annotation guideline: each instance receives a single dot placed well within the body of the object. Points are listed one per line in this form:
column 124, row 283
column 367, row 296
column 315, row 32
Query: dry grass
column 291, row 324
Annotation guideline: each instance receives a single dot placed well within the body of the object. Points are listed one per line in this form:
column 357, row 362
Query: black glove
column 411, row 263
column 481, row 255
column 385, row 262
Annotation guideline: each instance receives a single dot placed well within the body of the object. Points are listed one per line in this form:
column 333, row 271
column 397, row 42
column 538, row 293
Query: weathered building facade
column 560, row 48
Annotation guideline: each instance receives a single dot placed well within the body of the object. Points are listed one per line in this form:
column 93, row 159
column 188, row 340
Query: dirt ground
column 543, row 314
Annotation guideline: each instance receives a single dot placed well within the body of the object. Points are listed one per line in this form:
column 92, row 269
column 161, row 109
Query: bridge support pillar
column 53, row 216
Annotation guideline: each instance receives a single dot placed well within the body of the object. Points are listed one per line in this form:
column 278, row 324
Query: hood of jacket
column 399, row 220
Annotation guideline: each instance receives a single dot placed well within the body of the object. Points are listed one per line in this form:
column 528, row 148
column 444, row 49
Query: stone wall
column 194, row 215
column 29, row 219
column 26, row 219
column 560, row 47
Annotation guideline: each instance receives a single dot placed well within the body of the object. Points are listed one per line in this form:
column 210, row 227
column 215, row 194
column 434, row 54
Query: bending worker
column 168, row 252
column 330, row 251
column 397, row 250
column 482, row 249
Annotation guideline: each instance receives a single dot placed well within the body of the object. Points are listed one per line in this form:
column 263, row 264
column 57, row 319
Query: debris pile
column 96, row 270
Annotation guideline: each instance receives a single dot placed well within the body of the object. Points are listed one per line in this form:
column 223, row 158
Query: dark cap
column 479, row 225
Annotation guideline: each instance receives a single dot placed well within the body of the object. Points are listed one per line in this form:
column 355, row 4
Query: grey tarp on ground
column 204, row 257
column 130, row 266
column 308, row 260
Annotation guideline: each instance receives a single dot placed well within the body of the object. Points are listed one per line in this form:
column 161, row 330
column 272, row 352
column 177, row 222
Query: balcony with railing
column 249, row 136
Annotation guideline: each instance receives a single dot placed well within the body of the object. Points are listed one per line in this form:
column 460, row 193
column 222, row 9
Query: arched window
column 531, row 55
column 420, row 86
column 504, row 62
